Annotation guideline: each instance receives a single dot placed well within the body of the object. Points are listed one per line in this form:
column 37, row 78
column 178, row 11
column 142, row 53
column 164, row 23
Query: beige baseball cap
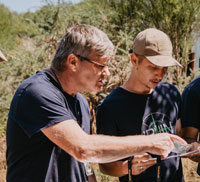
column 156, row 46
column 2, row 57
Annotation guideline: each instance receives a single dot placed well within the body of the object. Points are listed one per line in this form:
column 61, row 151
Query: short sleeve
column 38, row 106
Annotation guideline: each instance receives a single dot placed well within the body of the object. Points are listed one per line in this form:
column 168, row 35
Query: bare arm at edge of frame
column 190, row 134
column 178, row 128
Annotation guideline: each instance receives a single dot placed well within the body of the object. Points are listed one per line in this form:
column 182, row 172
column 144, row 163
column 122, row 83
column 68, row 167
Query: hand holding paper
column 194, row 156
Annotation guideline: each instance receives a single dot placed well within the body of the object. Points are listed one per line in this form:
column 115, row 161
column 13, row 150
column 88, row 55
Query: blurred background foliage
column 29, row 40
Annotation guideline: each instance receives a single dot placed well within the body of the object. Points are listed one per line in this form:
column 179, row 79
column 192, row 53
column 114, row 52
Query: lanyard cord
column 130, row 168
column 158, row 168
column 56, row 78
column 51, row 72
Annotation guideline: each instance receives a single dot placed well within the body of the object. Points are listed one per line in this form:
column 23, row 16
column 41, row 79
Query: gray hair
column 82, row 40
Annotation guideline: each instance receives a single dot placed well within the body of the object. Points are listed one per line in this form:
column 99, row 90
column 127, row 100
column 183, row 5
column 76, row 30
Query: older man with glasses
column 48, row 129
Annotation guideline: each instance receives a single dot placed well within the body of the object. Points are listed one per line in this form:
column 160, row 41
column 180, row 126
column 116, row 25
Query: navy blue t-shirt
column 125, row 113
column 190, row 115
column 39, row 103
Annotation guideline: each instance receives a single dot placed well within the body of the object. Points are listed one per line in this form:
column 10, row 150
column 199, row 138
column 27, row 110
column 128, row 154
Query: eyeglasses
column 99, row 65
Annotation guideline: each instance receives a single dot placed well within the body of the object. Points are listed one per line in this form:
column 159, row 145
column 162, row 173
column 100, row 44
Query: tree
column 177, row 18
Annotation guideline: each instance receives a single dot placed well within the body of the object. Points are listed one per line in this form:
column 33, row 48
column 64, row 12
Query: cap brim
column 163, row 61
column 2, row 57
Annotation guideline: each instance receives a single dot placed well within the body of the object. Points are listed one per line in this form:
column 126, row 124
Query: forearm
column 190, row 140
column 139, row 164
column 95, row 148
column 190, row 134
column 117, row 169
column 103, row 149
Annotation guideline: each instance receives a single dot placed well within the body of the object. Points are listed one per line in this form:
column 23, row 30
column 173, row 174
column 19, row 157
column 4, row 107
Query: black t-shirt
column 31, row 157
column 125, row 113
column 190, row 115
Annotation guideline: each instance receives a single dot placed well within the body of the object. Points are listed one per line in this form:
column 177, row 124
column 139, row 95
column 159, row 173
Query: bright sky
column 22, row 6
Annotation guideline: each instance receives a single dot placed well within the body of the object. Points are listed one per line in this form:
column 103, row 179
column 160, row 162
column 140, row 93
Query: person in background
column 2, row 57
column 48, row 129
column 144, row 106
column 190, row 117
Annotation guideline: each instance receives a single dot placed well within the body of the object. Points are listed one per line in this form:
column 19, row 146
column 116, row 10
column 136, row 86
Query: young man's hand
column 140, row 163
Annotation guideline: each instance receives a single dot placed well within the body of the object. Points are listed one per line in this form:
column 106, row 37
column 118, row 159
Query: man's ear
column 134, row 60
column 72, row 62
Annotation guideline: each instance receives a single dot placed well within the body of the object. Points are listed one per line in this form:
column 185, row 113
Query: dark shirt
column 190, row 115
column 125, row 113
column 40, row 103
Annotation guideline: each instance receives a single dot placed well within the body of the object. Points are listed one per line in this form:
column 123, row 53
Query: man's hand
column 162, row 143
column 140, row 163
column 190, row 134
column 195, row 157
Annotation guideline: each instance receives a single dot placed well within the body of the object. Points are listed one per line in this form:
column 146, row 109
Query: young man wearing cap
column 2, row 57
column 144, row 105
